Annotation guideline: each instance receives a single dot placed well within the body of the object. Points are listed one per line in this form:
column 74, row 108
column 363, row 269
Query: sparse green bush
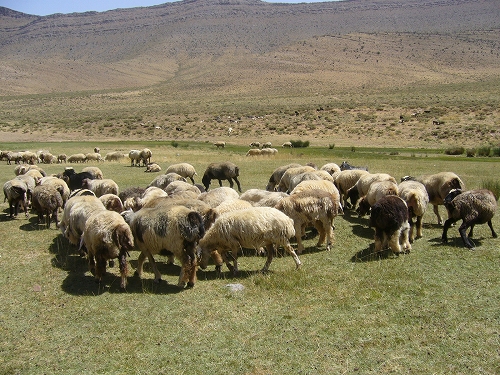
column 299, row 143
column 331, row 146
column 493, row 185
column 484, row 151
column 471, row 153
column 495, row 151
column 454, row 151
column 174, row 144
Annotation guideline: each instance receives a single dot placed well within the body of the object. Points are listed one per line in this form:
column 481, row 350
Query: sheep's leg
column 436, row 211
column 418, row 225
column 447, row 225
column 405, row 241
column 493, row 234
column 394, row 241
column 100, row 268
column 140, row 263
column 378, row 240
column 289, row 248
column 463, row 233
column 153, row 266
column 298, row 237
column 123, row 269
column 192, row 179
column 270, row 253
column 227, row 262
column 237, row 183
column 471, row 231
column 322, row 233
column 230, row 183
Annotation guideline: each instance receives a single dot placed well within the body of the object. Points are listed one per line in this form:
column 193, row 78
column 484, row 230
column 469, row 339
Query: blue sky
column 45, row 7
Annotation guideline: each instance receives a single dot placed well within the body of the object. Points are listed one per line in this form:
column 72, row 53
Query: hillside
column 204, row 51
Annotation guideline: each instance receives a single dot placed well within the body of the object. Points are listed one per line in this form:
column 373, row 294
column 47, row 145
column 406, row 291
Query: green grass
column 435, row 310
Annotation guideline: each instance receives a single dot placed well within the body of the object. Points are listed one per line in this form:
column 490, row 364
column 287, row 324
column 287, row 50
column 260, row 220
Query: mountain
column 250, row 47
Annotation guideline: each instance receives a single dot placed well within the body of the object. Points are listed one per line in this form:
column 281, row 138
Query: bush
column 496, row 151
column 331, row 146
column 455, row 151
column 174, row 144
column 298, row 144
column 471, row 153
column 484, row 151
column 493, row 185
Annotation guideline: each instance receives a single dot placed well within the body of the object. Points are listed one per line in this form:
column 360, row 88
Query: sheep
column 232, row 205
column 344, row 180
column 185, row 170
column 16, row 192
column 95, row 172
column 254, row 144
column 59, row 184
column 221, row 171
column 15, row 157
column 112, row 202
column 107, row 236
column 284, row 183
column 345, row 166
column 312, row 207
column 363, row 184
column 176, row 229
column 220, row 144
column 135, row 202
column 35, row 173
column 250, row 228
column 145, row 155
column 135, row 157
column 97, row 150
column 438, row 186
column 101, row 187
column 152, row 168
column 316, row 184
column 178, row 188
column 417, row 199
column 263, row 198
column 287, row 145
column 267, row 145
column 254, row 152
column 473, row 207
column 389, row 217
column 163, row 180
column 75, row 214
column 25, row 168
column 73, row 179
column 268, row 151
column 218, row 195
column 48, row 158
column 30, row 181
column 331, row 168
column 275, row 178
column 46, row 200
column 309, row 176
column 376, row 191
column 76, row 158
column 92, row 156
column 62, row 158
column 115, row 156
column 29, row 157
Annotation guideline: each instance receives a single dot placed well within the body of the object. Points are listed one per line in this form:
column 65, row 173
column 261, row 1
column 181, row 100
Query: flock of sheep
column 194, row 223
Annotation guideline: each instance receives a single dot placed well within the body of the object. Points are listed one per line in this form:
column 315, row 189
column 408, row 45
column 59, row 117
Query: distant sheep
column 218, row 195
column 152, row 168
column 417, row 199
column 62, row 158
column 115, row 156
column 29, row 157
column 268, row 151
column 107, row 236
column 232, row 205
column 146, row 156
column 473, row 207
column 389, row 217
column 97, row 150
column 267, row 145
column 376, row 191
column 220, row 144
column 135, row 158
column 287, row 145
column 95, row 172
column 46, row 201
column 275, row 178
column 254, row 144
column 254, row 152
column 221, row 171
column 176, row 229
column 101, row 187
column 316, row 208
column 345, row 166
column 16, row 192
column 185, row 170
column 77, row 158
column 250, row 228
column 93, row 156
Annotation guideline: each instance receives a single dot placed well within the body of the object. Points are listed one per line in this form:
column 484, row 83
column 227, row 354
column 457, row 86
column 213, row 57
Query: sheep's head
column 451, row 195
column 408, row 178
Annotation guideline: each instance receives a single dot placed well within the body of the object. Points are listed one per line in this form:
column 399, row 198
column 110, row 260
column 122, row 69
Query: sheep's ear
column 122, row 239
column 210, row 217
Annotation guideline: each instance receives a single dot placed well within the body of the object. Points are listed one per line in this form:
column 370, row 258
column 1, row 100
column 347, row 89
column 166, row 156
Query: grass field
column 433, row 311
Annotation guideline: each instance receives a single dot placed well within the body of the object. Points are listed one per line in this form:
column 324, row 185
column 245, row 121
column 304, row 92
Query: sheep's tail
column 237, row 171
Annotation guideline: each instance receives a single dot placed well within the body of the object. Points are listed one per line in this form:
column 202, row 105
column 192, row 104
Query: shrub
column 484, row 151
column 299, row 143
column 455, row 151
column 471, row 153
column 331, row 146
column 174, row 144
column 496, row 151
column 493, row 185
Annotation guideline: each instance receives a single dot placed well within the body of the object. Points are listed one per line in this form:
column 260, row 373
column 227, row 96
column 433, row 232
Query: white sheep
column 77, row 158
column 135, row 203
column 263, row 198
column 416, row 198
column 176, row 229
column 152, row 168
column 107, row 236
column 287, row 145
column 185, row 170
column 62, row 158
column 275, row 178
column 95, row 172
column 376, row 191
column 267, row 145
column 250, row 228
column 254, row 144
column 16, row 192
column 363, row 184
column 101, row 187
column 220, row 144
column 145, row 156
column 254, row 152
column 309, row 176
column 268, row 151
column 162, row 181
column 112, row 202
column 178, row 188
column 93, row 156
column 345, row 180
column 218, row 195
column 316, row 184
column 135, row 157
column 284, row 183
column 312, row 207
column 331, row 168
column 115, row 156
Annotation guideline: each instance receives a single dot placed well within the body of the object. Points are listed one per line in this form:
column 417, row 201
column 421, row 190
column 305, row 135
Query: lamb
column 363, row 184
column 46, row 200
column 146, row 156
column 250, row 228
column 312, row 207
column 331, row 168
column 376, row 191
column 95, row 172
column 218, row 195
column 76, row 158
column 185, row 170
column 152, row 168
column 163, row 180
column 275, row 178
column 221, row 171
column 176, row 229
column 114, row 156
column 75, row 180
column 17, row 193
column 107, row 236
column 263, row 198
column 220, row 144
column 135, row 157
column 101, row 187
column 389, row 217
column 438, row 186
column 417, row 199
column 473, row 207
column 284, row 183
column 112, row 202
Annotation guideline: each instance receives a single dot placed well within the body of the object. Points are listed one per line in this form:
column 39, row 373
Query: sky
column 46, row 7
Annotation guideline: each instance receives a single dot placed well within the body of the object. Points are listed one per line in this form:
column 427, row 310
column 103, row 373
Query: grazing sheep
column 146, row 156
column 107, row 236
column 254, row 152
column 254, row 144
column 101, row 187
column 309, row 176
column 417, row 199
column 75, row 214
column 115, row 156
column 221, row 171
column 178, row 188
column 48, row 158
column 250, row 228
column 438, row 186
column 59, row 184
column 345, row 180
column 152, row 168
column 17, row 193
column 176, row 229
column 81, row 192
column 75, row 180
column 76, row 158
column 62, row 158
column 263, row 198
column 220, row 144
column 185, row 170
column 312, row 207
column 95, row 172
column 275, row 178
column 112, row 202
column 363, row 184
column 134, row 191
column 92, row 156
column 163, row 180
column 389, row 217
column 46, row 200
column 376, row 191
column 267, row 145
column 29, row 157
column 136, row 202
column 330, row 168
column 284, row 183
column 218, row 195
column 316, row 184
column 15, row 157
column 25, row 168
column 30, row 181
column 345, row 166
column 232, row 205
column 268, row 151
column 135, row 157
column 473, row 207
column 287, row 145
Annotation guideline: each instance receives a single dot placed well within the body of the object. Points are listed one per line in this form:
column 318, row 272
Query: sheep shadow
column 369, row 255
column 454, row 242
column 32, row 224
